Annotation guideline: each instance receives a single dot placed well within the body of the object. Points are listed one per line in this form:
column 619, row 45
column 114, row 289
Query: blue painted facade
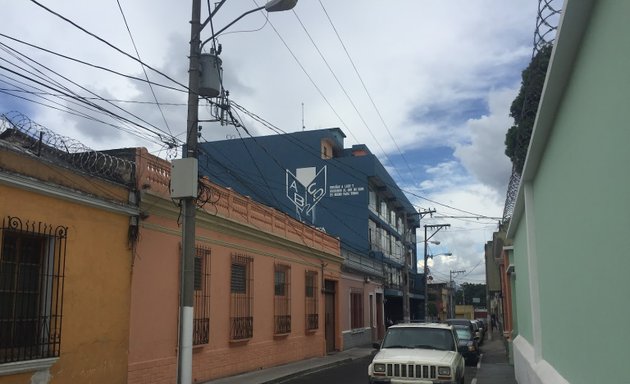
column 344, row 191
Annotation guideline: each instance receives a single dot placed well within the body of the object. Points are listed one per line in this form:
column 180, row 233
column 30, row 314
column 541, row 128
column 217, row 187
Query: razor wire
column 547, row 21
column 41, row 141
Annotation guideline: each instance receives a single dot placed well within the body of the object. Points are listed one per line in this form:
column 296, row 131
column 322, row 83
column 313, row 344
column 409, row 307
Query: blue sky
column 430, row 81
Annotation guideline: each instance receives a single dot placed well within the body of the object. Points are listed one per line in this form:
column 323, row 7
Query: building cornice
column 51, row 190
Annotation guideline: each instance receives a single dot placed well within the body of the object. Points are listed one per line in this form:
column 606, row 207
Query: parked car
column 482, row 329
column 418, row 352
column 477, row 332
column 468, row 346
column 465, row 322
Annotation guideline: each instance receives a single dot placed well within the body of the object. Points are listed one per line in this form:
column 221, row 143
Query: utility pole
column 188, row 174
column 406, row 314
column 184, row 358
column 452, row 289
column 436, row 228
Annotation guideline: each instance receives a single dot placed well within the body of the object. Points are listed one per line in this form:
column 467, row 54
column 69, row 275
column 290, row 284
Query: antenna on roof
column 303, row 126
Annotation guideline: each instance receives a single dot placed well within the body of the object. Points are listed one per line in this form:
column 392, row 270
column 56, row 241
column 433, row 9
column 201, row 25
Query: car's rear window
column 463, row 333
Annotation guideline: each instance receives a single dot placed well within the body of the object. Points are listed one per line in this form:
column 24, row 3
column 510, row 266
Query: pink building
column 265, row 284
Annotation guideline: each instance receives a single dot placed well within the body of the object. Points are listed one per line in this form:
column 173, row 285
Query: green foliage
column 525, row 106
column 467, row 291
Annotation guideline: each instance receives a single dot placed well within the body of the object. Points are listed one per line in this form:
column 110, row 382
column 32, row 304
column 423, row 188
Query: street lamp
column 436, row 228
column 188, row 165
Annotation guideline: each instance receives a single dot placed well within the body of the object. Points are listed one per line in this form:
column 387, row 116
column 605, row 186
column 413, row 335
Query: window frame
column 23, row 347
column 282, row 299
column 311, row 302
column 357, row 320
column 241, row 299
column 201, row 300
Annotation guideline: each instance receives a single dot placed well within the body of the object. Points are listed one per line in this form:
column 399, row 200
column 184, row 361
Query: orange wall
column 97, row 285
column 230, row 224
column 154, row 315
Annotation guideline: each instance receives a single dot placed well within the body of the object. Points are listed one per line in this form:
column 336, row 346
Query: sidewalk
column 494, row 367
column 298, row 368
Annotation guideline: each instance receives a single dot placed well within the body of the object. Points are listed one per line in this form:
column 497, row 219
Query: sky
column 425, row 84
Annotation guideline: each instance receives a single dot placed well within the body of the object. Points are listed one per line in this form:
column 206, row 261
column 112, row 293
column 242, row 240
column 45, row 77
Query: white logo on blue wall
column 306, row 188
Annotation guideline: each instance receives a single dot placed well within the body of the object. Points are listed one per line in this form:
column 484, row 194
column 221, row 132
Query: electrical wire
column 106, row 42
column 72, row 95
column 378, row 143
column 185, row 90
column 146, row 76
column 310, row 79
column 92, row 105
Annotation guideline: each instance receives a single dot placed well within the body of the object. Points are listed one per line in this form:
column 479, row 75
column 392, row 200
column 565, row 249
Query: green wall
column 582, row 212
column 522, row 314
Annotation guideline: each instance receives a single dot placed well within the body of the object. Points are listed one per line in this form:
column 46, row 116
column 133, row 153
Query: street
column 354, row 372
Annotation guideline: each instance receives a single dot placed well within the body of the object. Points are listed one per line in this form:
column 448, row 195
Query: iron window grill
column 241, row 298
column 201, row 305
column 32, row 264
column 356, row 310
column 282, row 299
column 310, row 300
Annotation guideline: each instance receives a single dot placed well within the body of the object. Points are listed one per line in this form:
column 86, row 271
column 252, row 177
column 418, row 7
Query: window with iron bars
column 282, row 299
column 201, row 305
column 241, row 298
column 32, row 263
column 310, row 300
column 356, row 310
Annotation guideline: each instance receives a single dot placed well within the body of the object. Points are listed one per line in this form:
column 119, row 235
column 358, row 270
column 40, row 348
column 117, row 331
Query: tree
column 525, row 106
column 466, row 293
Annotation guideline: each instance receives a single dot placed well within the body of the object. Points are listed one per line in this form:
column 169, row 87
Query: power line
column 351, row 171
column 378, row 112
column 72, row 95
column 344, row 90
column 310, row 78
column 106, row 42
column 92, row 65
column 143, row 68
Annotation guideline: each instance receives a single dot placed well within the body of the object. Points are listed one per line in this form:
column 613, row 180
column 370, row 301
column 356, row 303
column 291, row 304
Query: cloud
column 484, row 155
column 440, row 77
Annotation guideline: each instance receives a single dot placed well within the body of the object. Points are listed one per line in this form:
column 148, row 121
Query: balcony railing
column 282, row 324
column 154, row 176
column 242, row 328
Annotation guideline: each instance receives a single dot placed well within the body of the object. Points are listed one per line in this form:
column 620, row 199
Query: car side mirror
column 376, row 345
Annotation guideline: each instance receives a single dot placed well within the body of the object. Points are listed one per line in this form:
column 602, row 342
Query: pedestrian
column 493, row 321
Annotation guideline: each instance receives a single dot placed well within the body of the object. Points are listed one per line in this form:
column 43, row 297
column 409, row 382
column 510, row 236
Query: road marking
column 474, row 381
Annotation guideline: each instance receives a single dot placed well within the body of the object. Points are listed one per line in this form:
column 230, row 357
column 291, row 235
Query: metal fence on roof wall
column 42, row 142
column 547, row 21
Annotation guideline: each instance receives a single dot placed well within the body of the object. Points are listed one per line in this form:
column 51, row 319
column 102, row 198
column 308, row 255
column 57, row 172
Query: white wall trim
column 27, row 366
column 532, row 266
column 528, row 370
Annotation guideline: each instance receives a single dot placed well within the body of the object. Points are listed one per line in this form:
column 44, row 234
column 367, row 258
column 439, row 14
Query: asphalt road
column 354, row 372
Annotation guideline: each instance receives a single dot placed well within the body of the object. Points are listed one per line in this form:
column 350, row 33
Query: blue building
column 345, row 192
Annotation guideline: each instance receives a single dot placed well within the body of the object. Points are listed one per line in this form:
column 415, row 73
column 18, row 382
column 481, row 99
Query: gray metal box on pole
column 184, row 174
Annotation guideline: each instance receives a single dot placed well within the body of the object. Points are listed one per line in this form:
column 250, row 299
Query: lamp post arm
column 229, row 25
column 216, row 9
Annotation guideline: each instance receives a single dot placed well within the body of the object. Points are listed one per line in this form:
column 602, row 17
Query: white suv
column 418, row 353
